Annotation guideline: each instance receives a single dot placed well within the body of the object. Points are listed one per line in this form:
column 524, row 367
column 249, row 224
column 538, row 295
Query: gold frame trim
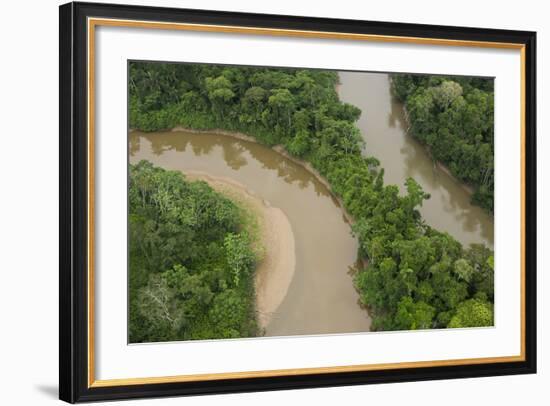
column 94, row 22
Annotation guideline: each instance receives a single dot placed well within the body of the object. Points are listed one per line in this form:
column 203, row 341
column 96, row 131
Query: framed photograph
column 256, row 202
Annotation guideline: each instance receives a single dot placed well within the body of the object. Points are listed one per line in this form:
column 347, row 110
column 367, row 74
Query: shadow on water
column 321, row 297
column 384, row 126
column 234, row 153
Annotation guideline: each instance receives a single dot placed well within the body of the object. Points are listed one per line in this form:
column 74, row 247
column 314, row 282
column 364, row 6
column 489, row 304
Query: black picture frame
column 73, row 255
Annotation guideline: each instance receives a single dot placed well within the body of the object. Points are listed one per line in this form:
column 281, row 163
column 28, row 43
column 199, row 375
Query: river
column 321, row 298
column 383, row 127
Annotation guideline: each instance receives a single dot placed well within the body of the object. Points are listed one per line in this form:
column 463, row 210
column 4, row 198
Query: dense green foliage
column 191, row 263
column 453, row 116
column 416, row 276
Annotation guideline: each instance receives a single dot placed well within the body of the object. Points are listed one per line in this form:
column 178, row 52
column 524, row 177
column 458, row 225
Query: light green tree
column 472, row 313
column 239, row 256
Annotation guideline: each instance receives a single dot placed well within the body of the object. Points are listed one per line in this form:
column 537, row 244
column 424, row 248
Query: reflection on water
column 321, row 297
column 383, row 126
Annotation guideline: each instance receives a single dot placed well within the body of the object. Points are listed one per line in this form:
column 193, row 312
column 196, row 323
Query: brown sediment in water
column 384, row 127
column 469, row 189
column 276, row 247
column 440, row 165
column 321, row 298
column 281, row 150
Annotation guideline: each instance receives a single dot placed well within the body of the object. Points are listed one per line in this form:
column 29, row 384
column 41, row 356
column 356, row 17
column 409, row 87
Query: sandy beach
column 277, row 266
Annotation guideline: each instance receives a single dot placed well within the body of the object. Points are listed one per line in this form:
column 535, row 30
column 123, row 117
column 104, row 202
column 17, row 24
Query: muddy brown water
column 383, row 127
column 321, row 298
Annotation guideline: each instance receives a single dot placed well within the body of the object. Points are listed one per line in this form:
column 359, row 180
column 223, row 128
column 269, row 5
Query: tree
column 157, row 305
column 299, row 145
column 472, row 313
column 239, row 257
column 413, row 315
column 186, row 249
column 229, row 314
column 464, row 270
column 300, row 109
column 445, row 94
column 282, row 105
column 220, row 93
column 454, row 117
column 415, row 194
column 253, row 102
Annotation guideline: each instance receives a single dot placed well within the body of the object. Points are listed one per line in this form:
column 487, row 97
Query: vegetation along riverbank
column 417, row 277
column 272, row 240
column 192, row 260
column 453, row 117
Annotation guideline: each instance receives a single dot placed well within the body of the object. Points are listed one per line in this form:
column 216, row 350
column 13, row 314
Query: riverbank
column 312, row 125
column 437, row 164
column 383, row 127
column 281, row 150
column 471, row 184
column 276, row 245
column 469, row 189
